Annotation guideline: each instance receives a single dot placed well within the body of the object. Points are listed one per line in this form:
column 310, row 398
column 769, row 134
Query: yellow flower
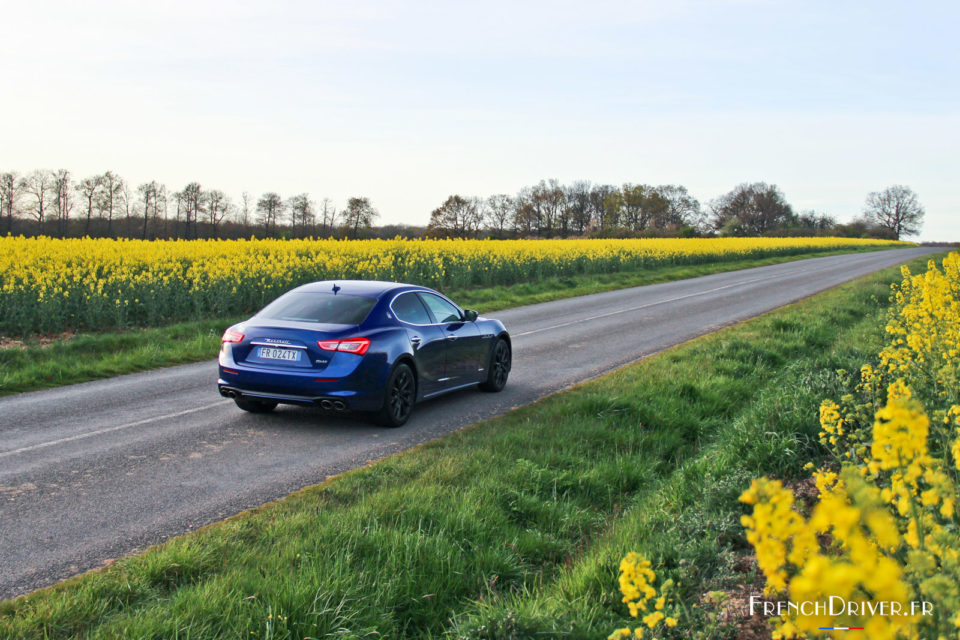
column 146, row 282
column 652, row 619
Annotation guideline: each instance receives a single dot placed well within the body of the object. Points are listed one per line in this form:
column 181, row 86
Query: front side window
column 328, row 308
column 442, row 310
column 408, row 308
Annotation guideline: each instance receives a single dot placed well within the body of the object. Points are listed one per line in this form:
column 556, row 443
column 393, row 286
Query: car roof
column 356, row 287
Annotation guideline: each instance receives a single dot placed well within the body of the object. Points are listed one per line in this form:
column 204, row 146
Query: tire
column 255, row 406
column 400, row 396
column 498, row 370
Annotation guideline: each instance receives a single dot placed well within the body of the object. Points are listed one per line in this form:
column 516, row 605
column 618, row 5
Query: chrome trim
column 277, row 346
column 276, row 396
column 432, row 324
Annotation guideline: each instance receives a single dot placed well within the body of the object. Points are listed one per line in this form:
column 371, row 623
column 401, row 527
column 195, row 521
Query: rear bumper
column 333, row 399
column 329, row 403
column 356, row 387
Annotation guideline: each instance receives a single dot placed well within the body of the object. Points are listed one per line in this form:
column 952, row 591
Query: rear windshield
column 328, row 308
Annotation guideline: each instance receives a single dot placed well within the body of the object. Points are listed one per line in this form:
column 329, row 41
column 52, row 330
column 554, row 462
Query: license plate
column 279, row 354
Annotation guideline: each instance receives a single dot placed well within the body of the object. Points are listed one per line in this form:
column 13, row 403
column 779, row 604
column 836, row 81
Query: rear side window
column 442, row 310
column 327, row 308
column 408, row 308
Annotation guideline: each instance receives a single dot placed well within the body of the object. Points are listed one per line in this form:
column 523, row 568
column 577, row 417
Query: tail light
column 357, row 346
column 231, row 336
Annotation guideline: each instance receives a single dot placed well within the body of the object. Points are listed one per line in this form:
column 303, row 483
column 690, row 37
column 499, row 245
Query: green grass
column 93, row 356
column 512, row 528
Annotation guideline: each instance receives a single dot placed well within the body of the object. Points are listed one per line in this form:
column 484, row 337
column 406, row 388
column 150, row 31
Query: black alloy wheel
column 499, row 370
column 401, row 394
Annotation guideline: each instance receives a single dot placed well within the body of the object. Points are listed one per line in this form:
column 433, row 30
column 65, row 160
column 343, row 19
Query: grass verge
column 39, row 364
column 512, row 528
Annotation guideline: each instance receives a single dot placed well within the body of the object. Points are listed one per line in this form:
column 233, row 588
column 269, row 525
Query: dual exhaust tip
column 326, row 404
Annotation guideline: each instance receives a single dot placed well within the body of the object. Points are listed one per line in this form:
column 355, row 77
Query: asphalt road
column 99, row 470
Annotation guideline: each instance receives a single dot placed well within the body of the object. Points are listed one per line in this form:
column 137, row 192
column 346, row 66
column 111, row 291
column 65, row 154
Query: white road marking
column 643, row 306
column 98, row 432
column 653, row 304
column 91, row 434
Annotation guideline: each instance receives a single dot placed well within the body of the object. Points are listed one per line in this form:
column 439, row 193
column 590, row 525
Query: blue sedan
column 354, row 345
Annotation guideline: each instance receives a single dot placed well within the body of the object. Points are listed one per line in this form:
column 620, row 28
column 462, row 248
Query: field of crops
column 885, row 525
column 51, row 285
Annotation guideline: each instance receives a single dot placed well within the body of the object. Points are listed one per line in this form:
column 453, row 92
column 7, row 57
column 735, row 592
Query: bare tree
column 112, row 194
column 37, row 184
column 526, row 214
column 524, row 218
column 358, row 215
column 751, row 210
column 656, row 211
column 637, row 207
column 10, row 191
column 244, row 209
column 181, row 202
column 599, row 197
column 193, row 205
column 555, row 208
column 303, row 215
column 329, row 217
column 547, row 202
column 578, row 205
column 457, row 217
column 634, row 215
column 217, row 206
column 161, row 204
column 127, row 199
column 612, row 209
column 148, row 193
column 896, row 208
column 683, row 208
column 269, row 210
column 62, row 199
column 499, row 210
column 89, row 190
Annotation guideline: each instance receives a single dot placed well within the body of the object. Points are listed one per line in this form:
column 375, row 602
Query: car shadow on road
column 293, row 417
column 441, row 414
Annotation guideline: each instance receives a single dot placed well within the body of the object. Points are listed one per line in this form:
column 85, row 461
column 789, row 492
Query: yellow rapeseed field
column 878, row 556
column 885, row 527
column 49, row 284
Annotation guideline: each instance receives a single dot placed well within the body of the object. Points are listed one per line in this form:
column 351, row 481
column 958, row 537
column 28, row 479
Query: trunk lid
column 288, row 344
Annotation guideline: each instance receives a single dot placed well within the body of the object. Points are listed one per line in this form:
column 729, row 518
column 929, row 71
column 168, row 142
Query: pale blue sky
column 408, row 102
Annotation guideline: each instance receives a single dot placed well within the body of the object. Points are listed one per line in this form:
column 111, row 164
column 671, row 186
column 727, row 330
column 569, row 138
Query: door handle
column 415, row 340
column 451, row 337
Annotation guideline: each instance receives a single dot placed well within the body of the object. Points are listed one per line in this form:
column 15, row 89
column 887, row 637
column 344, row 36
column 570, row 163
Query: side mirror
column 470, row 315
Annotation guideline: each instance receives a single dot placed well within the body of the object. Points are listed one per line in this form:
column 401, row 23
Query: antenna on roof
column 335, row 289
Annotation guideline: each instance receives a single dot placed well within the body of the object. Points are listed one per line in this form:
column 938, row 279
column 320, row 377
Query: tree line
column 45, row 202
column 550, row 209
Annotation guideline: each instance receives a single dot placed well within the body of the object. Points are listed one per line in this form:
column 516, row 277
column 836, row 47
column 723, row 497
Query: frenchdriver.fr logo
column 836, row 607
